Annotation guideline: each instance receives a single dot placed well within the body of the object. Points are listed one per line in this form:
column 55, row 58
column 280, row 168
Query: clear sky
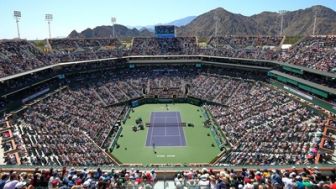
column 81, row 14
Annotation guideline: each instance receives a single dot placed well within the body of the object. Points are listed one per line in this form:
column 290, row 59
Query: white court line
column 165, row 128
column 181, row 129
column 166, row 135
column 178, row 123
column 151, row 128
column 155, row 117
column 164, row 116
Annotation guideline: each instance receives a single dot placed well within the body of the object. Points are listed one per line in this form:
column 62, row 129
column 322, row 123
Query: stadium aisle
column 2, row 160
column 165, row 185
column 333, row 160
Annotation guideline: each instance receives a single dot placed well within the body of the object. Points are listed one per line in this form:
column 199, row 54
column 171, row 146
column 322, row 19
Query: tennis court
column 165, row 130
column 195, row 145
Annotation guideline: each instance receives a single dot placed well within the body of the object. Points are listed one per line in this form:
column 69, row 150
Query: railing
column 167, row 168
column 114, row 141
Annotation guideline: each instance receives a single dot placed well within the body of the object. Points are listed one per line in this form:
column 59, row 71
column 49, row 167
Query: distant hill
column 123, row 31
column 299, row 22
column 178, row 23
column 182, row 21
column 204, row 25
column 107, row 31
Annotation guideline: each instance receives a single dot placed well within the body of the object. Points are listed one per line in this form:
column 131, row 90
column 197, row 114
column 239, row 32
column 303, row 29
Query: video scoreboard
column 165, row 31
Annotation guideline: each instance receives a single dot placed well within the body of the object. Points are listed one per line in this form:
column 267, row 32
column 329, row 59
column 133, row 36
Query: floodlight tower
column 17, row 15
column 282, row 13
column 114, row 21
column 314, row 27
column 49, row 18
column 217, row 19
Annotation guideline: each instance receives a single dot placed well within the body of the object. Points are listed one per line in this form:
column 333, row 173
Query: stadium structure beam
column 17, row 15
column 49, row 18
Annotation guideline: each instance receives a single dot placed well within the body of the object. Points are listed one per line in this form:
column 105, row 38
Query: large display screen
column 163, row 31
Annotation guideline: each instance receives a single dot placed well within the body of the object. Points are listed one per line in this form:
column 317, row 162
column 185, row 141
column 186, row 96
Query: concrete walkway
column 2, row 160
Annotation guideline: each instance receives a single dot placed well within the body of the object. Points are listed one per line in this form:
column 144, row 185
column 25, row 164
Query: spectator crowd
column 69, row 127
column 16, row 56
column 164, row 46
column 254, row 179
column 264, row 126
column 78, row 179
column 73, row 125
column 259, row 178
column 313, row 52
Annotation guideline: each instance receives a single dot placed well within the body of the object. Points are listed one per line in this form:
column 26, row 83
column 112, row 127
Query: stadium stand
column 249, row 122
column 316, row 52
column 194, row 178
column 267, row 47
column 68, row 50
column 166, row 46
column 248, row 111
column 17, row 56
column 75, row 115
column 68, row 111
column 240, row 42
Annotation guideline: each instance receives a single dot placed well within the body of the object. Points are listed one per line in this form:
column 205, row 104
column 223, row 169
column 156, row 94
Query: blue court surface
column 165, row 130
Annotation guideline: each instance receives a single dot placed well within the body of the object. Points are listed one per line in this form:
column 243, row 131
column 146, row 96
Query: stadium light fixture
column 114, row 21
column 49, row 18
column 282, row 13
column 17, row 15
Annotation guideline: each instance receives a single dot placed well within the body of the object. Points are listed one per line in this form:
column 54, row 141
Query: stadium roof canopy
column 310, row 70
column 238, row 65
column 183, row 59
column 315, row 85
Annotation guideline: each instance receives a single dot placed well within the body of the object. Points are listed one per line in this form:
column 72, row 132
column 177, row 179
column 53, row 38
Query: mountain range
column 178, row 23
column 299, row 22
column 182, row 21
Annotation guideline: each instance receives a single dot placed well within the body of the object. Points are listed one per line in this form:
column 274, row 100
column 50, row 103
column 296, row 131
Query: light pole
column 282, row 12
column 314, row 27
column 216, row 18
column 17, row 15
column 113, row 20
column 49, row 18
